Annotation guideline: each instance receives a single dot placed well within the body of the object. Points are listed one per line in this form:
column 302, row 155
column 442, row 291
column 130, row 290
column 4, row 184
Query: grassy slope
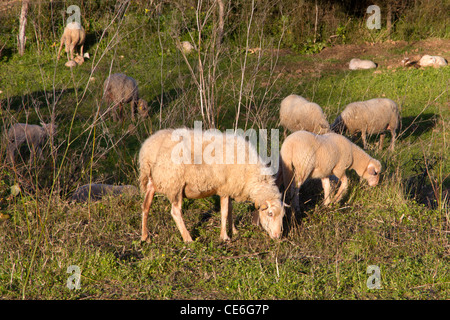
column 324, row 254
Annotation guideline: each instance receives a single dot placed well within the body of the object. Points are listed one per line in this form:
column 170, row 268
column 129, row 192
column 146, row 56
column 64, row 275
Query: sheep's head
column 270, row 217
column 142, row 108
column 338, row 125
column 372, row 173
column 50, row 129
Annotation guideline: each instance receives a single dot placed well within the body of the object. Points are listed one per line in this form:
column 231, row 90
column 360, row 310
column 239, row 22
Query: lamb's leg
column 226, row 216
column 177, row 216
column 60, row 47
column 363, row 137
column 380, row 147
column 342, row 188
column 326, row 190
column 146, row 208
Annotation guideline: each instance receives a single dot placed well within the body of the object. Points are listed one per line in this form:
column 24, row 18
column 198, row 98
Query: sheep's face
column 271, row 218
column 372, row 173
column 143, row 108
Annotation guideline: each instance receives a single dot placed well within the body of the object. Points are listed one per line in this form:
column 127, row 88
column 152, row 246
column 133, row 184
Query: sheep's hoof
column 145, row 238
column 225, row 238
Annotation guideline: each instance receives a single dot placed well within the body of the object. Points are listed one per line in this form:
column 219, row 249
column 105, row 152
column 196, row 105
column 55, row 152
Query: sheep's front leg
column 393, row 136
column 342, row 188
column 149, row 194
column 380, row 147
column 226, row 217
column 133, row 105
column 326, row 190
column 177, row 216
column 363, row 137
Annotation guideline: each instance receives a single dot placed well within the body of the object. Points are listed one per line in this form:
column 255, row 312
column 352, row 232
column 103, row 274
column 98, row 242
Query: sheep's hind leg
column 226, row 217
column 326, row 190
column 146, row 208
column 177, row 216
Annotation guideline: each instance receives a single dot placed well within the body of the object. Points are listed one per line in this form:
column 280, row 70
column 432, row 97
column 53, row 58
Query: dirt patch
column 388, row 55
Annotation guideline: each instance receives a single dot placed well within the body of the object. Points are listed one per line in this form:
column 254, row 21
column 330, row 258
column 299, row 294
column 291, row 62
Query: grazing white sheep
column 98, row 191
column 74, row 35
column 306, row 155
column 118, row 89
column 432, row 61
column 297, row 113
column 198, row 177
column 369, row 117
column 31, row 134
column 357, row 64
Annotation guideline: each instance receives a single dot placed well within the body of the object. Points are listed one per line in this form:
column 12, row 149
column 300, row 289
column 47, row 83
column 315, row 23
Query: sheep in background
column 432, row 61
column 33, row 135
column 161, row 171
column 74, row 35
column 369, row 117
column 187, row 47
column 297, row 113
column 358, row 64
column 118, row 89
column 98, row 191
column 306, row 155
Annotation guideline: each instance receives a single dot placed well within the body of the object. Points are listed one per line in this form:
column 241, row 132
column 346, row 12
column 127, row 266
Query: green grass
column 324, row 254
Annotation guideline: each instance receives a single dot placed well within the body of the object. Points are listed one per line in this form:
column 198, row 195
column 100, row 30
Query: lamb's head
column 49, row 128
column 271, row 217
column 142, row 107
column 372, row 172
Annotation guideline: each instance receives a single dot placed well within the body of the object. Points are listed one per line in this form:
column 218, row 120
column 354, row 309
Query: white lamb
column 74, row 35
column 160, row 171
column 357, row 64
column 432, row 61
column 297, row 113
column 369, row 117
column 305, row 155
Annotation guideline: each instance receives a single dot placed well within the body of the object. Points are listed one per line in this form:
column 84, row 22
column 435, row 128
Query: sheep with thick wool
column 297, row 113
column 73, row 36
column 358, row 64
column 369, row 117
column 119, row 89
column 432, row 61
column 31, row 134
column 305, row 155
column 198, row 176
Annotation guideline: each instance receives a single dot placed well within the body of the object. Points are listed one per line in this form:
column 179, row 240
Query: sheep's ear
column 286, row 205
column 371, row 170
